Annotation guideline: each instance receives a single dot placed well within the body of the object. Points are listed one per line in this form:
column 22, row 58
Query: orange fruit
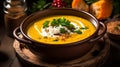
column 80, row 5
column 101, row 9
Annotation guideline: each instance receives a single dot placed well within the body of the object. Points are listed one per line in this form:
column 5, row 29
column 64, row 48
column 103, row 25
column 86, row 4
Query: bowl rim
column 70, row 44
column 113, row 34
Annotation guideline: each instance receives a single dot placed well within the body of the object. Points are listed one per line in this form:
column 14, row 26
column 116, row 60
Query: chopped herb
column 66, row 23
column 61, row 20
column 56, row 39
column 78, row 31
column 45, row 24
column 116, row 28
column 62, row 23
column 62, row 30
column 71, row 27
column 84, row 28
column 54, row 22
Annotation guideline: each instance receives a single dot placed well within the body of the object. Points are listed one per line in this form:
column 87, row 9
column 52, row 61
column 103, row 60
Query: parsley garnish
column 45, row 24
column 78, row 31
column 61, row 20
column 65, row 23
column 62, row 30
column 56, row 39
column 117, row 27
column 84, row 28
column 54, row 22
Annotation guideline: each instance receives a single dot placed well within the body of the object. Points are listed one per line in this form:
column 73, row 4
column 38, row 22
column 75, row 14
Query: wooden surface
column 94, row 58
column 7, row 52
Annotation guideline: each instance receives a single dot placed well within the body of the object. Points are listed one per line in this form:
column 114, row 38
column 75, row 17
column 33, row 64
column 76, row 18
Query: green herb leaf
column 78, row 31
column 84, row 28
column 61, row 20
column 62, row 30
column 56, row 39
column 67, row 22
column 45, row 24
column 116, row 28
column 54, row 22
column 71, row 27
column 46, row 5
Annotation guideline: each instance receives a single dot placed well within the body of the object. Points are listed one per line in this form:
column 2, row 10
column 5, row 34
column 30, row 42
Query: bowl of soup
column 60, row 34
column 113, row 29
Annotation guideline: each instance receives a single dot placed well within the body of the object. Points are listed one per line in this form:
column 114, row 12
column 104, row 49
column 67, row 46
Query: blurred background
column 115, row 53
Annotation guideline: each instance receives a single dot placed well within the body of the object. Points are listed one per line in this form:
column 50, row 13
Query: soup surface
column 113, row 27
column 60, row 29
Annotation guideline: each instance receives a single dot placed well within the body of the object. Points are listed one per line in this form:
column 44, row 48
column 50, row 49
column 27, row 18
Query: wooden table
column 7, row 53
column 12, row 61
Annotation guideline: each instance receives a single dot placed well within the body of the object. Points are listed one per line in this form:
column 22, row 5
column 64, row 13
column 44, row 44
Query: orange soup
column 60, row 29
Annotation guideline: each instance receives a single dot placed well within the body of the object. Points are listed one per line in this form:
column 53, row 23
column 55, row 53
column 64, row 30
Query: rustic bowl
column 60, row 52
column 111, row 29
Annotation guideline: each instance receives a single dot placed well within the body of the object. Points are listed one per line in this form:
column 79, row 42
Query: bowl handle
column 17, row 36
column 102, row 32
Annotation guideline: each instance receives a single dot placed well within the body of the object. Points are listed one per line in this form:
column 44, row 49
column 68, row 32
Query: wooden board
column 94, row 58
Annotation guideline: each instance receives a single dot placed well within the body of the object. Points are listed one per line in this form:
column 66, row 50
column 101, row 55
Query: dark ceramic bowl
column 60, row 52
column 114, row 37
column 112, row 28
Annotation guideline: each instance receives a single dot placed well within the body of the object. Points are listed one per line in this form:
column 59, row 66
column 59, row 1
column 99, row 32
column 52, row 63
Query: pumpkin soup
column 60, row 29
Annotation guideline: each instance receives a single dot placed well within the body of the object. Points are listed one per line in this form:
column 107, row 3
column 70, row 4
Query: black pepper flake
column 45, row 37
